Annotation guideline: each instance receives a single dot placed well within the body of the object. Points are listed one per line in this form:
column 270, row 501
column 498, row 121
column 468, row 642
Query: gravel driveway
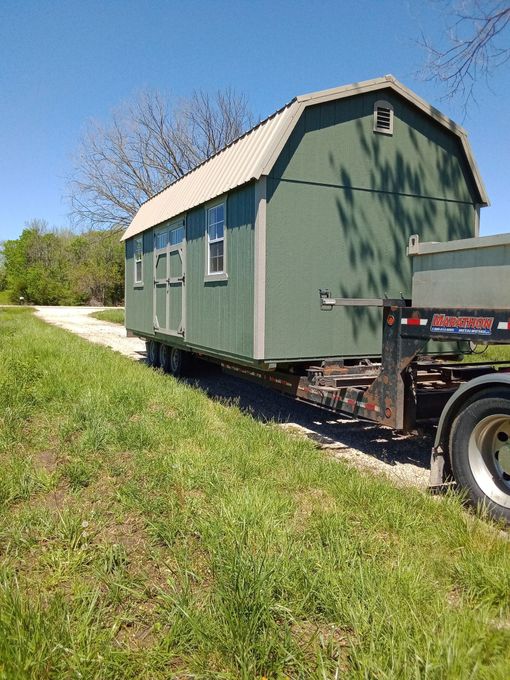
column 403, row 458
column 78, row 320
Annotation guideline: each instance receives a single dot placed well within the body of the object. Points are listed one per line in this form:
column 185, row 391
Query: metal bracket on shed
column 325, row 298
column 327, row 302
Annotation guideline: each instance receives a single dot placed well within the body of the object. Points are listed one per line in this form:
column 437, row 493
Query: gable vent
column 383, row 117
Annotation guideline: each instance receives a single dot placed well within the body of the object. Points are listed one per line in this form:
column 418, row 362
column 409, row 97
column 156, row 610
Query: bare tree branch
column 147, row 146
column 475, row 47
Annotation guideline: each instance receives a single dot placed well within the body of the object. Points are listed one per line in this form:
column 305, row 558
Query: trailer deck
column 404, row 389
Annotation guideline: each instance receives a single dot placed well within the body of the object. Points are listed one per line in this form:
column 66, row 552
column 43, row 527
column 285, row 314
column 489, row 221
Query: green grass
column 112, row 315
column 5, row 297
column 492, row 353
column 148, row 532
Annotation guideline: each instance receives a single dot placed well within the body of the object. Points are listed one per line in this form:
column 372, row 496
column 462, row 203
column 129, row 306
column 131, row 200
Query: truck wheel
column 174, row 361
column 152, row 353
column 480, row 452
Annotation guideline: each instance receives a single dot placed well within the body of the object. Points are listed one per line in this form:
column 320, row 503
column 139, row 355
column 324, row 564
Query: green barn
column 324, row 194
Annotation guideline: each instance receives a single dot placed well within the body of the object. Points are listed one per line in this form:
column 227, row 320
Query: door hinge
column 182, row 278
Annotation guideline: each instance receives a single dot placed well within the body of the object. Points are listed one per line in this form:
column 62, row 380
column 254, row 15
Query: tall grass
column 147, row 531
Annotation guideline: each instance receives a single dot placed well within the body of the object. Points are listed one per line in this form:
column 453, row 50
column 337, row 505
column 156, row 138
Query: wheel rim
column 175, row 360
column 489, row 457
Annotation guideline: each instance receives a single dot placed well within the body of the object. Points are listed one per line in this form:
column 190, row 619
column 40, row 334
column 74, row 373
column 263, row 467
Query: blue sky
column 62, row 63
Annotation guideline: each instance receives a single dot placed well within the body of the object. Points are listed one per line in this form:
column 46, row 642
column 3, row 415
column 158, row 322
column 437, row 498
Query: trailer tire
column 152, row 348
column 480, row 451
column 174, row 360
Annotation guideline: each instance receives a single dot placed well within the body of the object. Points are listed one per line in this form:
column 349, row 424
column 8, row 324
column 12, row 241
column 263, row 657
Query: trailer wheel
column 152, row 353
column 174, row 361
column 480, row 452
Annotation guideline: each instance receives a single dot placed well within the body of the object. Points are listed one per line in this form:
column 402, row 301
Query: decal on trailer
column 463, row 325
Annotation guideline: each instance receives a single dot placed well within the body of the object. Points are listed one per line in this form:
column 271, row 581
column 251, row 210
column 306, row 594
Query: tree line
column 58, row 267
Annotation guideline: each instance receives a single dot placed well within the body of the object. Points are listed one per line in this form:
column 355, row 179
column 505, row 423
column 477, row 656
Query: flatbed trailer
column 470, row 403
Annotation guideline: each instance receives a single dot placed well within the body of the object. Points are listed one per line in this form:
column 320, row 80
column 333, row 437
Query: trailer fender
column 454, row 404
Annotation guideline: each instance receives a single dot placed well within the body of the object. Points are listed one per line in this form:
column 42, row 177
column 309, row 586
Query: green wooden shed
column 324, row 194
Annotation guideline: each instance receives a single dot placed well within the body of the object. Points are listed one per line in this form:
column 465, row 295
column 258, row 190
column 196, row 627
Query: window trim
column 208, row 275
column 138, row 283
column 383, row 104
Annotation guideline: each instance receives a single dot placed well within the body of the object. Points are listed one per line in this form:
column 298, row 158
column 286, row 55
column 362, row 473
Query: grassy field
column 112, row 315
column 149, row 532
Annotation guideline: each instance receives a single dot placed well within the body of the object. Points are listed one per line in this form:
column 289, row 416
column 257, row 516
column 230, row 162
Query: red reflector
column 413, row 321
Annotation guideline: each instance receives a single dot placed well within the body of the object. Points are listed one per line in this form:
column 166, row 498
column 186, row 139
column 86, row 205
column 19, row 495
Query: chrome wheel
column 489, row 457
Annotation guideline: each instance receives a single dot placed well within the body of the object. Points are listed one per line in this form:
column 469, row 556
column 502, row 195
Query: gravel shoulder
column 402, row 458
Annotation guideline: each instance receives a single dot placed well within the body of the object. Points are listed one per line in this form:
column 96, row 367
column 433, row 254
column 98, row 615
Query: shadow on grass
column 326, row 429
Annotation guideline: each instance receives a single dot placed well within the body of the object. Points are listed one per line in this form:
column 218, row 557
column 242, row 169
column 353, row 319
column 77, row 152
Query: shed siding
column 139, row 300
column 342, row 202
column 220, row 313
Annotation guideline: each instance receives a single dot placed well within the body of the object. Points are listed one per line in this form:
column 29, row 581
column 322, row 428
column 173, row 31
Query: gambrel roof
column 253, row 155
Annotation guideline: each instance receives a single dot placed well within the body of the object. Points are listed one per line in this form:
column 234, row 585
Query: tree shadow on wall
column 377, row 220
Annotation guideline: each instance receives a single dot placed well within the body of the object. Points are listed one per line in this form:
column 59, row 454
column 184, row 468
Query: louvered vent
column 383, row 118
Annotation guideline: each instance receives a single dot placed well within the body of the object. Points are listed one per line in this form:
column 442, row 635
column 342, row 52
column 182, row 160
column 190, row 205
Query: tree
column 50, row 267
column 37, row 266
column 3, row 275
column 148, row 145
column 476, row 45
column 98, row 268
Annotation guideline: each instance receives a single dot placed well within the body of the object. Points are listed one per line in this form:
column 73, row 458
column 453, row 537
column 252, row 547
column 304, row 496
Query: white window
column 176, row 236
column 139, row 260
column 161, row 240
column 173, row 237
column 383, row 117
column 216, row 239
